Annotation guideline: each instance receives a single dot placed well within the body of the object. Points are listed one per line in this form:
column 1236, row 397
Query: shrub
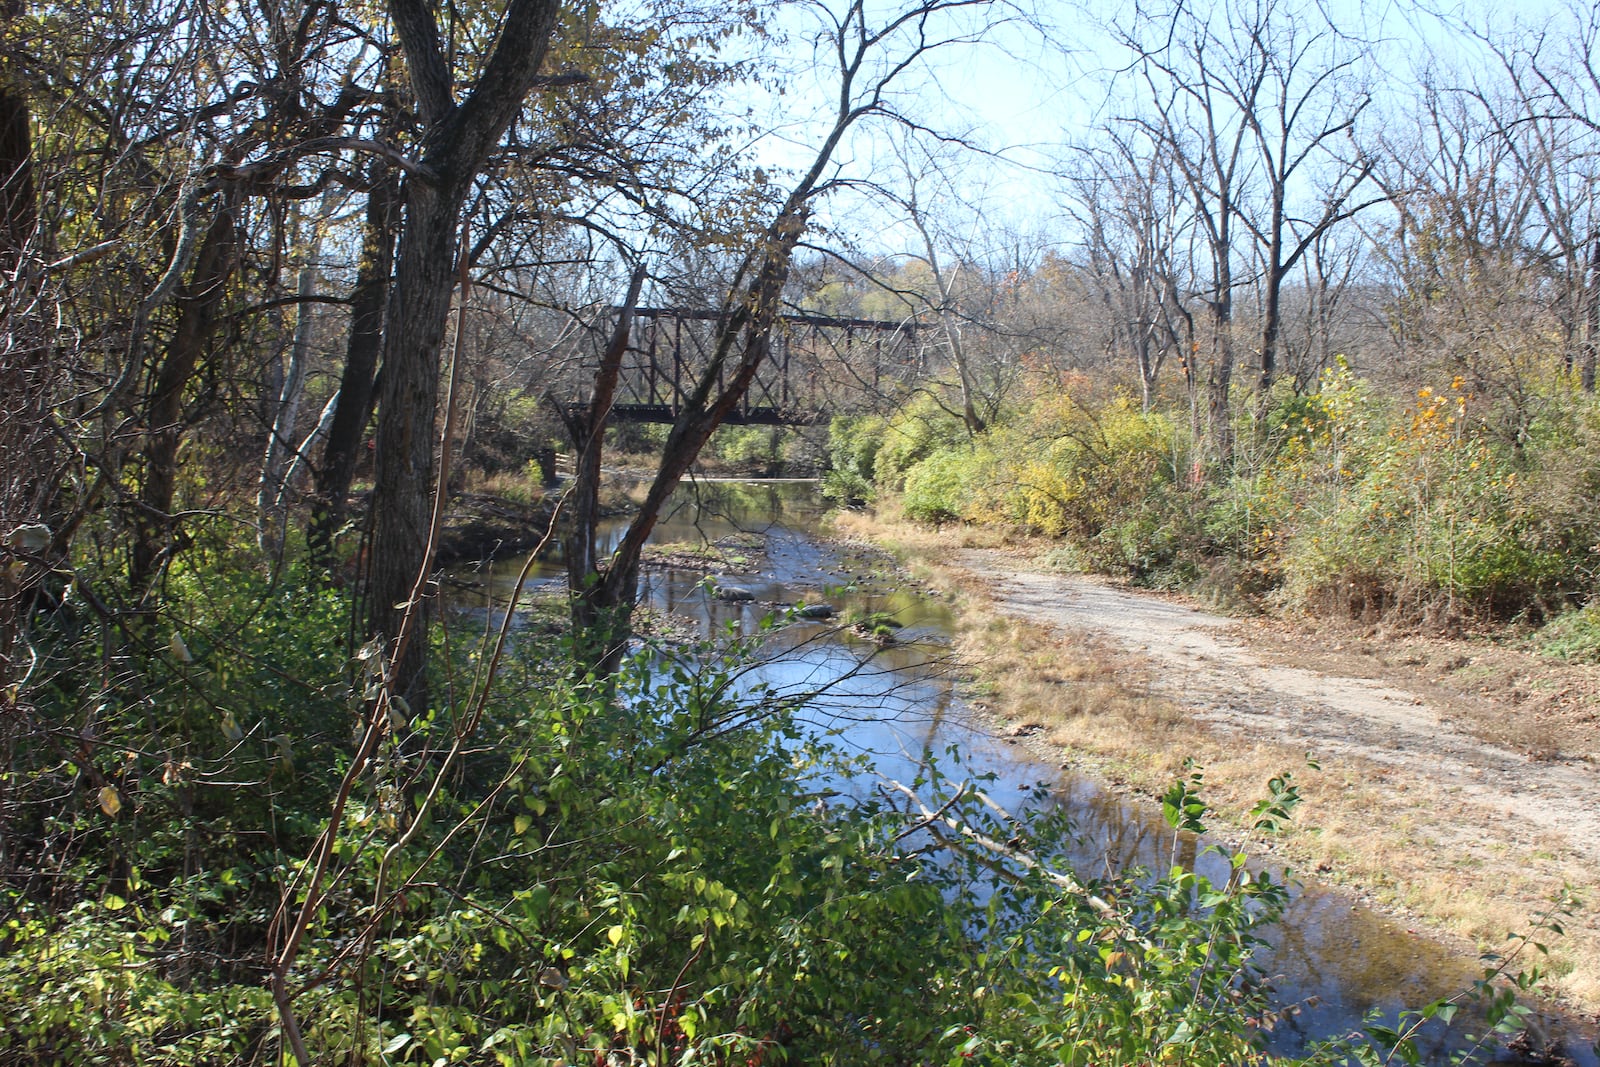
column 853, row 444
column 638, row 871
column 748, row 447
column 1105, row 478
column 1433, row 515
column 936, row 487
column 912, row 434
column 1573, row 636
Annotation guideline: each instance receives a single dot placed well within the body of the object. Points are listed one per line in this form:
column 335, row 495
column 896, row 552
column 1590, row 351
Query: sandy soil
column 1501, row 745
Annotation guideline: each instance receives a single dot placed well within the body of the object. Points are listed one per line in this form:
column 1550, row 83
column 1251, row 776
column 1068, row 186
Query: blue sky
column 1022, row 93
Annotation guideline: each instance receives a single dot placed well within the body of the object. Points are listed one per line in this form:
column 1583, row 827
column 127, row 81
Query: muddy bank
column 478, row 526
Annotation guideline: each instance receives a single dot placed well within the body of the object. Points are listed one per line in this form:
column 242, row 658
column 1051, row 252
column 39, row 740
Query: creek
column 1334, row 959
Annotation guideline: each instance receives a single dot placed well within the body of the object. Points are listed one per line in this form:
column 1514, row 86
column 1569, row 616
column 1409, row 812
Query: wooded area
column 279, row 279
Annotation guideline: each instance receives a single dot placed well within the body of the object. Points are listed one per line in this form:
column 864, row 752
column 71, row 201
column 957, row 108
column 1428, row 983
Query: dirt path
column 1203, row 663
column 1456, row 781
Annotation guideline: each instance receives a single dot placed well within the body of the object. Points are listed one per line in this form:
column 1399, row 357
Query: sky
column 1031, row 86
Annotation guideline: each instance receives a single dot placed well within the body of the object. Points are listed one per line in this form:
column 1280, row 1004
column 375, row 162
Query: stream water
column 1338, row 961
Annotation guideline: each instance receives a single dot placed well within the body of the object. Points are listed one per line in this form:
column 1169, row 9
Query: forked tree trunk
column 593, row 620
column 603, row 599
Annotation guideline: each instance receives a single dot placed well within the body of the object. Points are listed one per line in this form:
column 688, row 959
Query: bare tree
column 1491, row 250
column 869, row 54
column 1549, row 128
column 1132, row 207
column 1253, row 104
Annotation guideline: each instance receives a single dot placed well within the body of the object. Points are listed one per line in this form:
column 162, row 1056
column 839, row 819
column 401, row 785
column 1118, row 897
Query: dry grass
column 519, row 486
column 1433, row 859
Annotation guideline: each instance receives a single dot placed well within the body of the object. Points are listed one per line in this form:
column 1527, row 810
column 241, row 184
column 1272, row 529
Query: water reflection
column 1336, row 962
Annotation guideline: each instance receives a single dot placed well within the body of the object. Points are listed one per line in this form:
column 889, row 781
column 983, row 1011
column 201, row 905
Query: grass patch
column 1574, row 637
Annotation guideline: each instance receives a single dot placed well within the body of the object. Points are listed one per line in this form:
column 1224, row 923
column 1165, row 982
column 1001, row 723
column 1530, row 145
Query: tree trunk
column 1272, row 324
column 1591, row 342
column 609, row 593
column 408, row 398
column 459, row 140
column 356, row 396
column 199, row 307
column 26, row 483
column 1220, row 382
column 18, row 201
column 272, row 503
column 599, row 633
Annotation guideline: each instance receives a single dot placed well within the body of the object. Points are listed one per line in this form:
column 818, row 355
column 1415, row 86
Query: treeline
column 1347, row 501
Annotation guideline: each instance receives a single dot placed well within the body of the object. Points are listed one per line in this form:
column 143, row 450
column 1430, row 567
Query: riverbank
column 1448, row 782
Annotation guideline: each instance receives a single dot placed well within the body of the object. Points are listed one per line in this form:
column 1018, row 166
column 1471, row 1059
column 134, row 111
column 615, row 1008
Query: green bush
column 913, row 433
column 639, row 870
column 936, row 487
column 1573, row 636
column 1430, row 514
column 1341, row 500
column 748, row 447
column 563, row 871
column 1105, row 478
column 853, row 444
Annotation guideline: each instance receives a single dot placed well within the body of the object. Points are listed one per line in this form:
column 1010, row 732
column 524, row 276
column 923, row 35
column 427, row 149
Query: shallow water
column 1338, row 961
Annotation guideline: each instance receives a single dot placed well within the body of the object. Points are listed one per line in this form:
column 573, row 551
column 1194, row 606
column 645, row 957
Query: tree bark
column 1220, row 382
column 454, row 150
column 1591, row 341
column 590, row 617
column 272, row 495
column 199, row 308
column 19, row 212
column 353, row 409
column 25, row 378
column 604, row 601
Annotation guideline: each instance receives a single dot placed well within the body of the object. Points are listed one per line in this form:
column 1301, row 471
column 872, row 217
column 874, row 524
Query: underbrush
column 224, row 841
column 1425, row 511
column 1574, row 636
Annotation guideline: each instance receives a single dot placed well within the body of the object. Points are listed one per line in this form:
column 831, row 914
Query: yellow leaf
column 614, row 934
column 110, row 801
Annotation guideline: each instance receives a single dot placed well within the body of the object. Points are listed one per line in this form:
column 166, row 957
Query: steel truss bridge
column 816, row 366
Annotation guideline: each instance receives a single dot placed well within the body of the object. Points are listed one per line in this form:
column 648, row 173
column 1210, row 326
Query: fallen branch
column 967, row 836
